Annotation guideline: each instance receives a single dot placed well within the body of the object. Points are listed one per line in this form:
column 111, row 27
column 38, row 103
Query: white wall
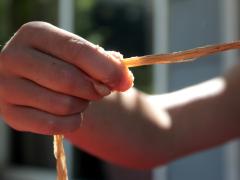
column 193, row 23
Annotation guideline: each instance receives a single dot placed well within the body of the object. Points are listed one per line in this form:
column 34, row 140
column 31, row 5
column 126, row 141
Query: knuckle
column 70, row 105
column 60, row 125
column 66, row 105
column 31, row 31
column 25, row 29
column 78, row 48
column 68, row 79
column 31, row 26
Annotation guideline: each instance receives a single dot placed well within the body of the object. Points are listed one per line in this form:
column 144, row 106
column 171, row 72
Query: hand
column 48, row 76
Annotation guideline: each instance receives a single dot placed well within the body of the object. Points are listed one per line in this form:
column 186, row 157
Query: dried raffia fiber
column 181, row 56
column 60, row 157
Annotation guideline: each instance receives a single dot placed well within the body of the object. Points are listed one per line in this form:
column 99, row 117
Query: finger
column 117, row 55
column 23, row 92
column 52, row 73
column 92, row 59
column 32, row 120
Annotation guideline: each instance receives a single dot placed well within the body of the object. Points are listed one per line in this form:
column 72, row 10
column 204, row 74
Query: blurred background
column 133, row 27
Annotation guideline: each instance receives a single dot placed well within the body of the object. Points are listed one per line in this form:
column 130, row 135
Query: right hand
column 48, row 76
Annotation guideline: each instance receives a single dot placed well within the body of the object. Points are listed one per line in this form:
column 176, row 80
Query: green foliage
column 85, row 5
column 83, row 23
column 4, row 23
column 14, row 13
column 28, row 10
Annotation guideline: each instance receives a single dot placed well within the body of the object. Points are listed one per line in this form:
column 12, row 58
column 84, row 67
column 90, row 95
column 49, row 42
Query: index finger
column 90, row 58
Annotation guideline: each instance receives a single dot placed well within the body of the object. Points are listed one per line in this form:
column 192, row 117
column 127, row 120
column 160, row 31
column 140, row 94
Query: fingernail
column 130, row 75
column 101, row 89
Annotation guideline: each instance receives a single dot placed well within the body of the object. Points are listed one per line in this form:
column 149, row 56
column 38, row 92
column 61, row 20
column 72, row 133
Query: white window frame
column 160, row 72
column 230, row 32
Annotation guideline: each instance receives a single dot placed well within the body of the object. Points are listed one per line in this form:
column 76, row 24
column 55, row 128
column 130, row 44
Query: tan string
column 60, row 157
column 182, row 56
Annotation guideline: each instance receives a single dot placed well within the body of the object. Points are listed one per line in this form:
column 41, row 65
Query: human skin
column 141, row 131
column 48, row 76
